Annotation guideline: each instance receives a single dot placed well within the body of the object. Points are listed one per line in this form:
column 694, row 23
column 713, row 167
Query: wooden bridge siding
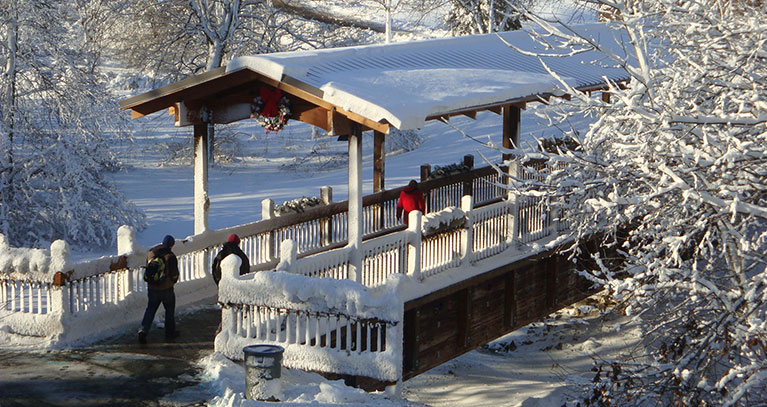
column 467, row 315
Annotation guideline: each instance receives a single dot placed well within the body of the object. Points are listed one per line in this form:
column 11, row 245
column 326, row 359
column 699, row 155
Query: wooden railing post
column 467, row 234
column 425, row 173
column 513, row 232
column 326, row 226
column 468, row 185
column 414, row 245
column 267, row 212
column 61, row 267
column 288, row 253
column 126, row 245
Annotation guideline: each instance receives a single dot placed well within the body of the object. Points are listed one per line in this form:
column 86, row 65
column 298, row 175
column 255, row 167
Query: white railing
column 491, row 230
column 65, row 301
column 331, row 264
column 20, row 296
column 384, row 256
column 321, row 331
column 440, row 252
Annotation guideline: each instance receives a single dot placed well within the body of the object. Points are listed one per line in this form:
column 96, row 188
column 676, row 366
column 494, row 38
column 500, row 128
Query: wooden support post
column 379, row 161
column 212, row 143
column 511, row 119
column 379, row 175
column 326, row 227
column 425, row 172
column 201, row 200
column 355, row 204
column 414, row 245
column 268, row 251
column 606, row 97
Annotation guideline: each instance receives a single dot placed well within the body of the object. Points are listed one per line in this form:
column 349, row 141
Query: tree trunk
column 9, row 112
column 388, row 21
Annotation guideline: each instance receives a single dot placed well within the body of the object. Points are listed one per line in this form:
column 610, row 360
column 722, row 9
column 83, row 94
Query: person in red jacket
column 410, row 199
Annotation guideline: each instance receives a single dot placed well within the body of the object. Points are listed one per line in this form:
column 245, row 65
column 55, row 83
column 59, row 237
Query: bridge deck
column 116, row 371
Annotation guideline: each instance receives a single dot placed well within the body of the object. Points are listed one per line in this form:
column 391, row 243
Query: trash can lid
column 263, row 350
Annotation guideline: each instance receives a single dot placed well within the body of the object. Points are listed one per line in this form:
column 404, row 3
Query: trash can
column 263, row 371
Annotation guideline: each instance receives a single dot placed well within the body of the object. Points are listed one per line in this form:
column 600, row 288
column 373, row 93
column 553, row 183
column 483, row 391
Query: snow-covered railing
column 331, row 324
column 325, row 325
column 534, row 219
column 325, row 226
column 54, row 289
column 384, row 256
column 45, row 294
column 433, row 243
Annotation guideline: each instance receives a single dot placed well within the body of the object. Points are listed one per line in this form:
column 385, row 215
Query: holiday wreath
column 270, row 109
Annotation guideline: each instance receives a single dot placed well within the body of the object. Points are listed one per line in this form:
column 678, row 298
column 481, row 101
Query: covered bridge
column 418, row 296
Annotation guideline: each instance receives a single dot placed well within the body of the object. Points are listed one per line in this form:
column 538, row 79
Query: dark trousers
column 168, row 300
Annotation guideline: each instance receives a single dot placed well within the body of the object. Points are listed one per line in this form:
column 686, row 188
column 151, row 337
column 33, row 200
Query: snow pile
column 30, row 264
column 293, row 291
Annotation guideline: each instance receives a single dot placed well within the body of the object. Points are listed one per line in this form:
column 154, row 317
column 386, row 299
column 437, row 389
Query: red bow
column 271, row 100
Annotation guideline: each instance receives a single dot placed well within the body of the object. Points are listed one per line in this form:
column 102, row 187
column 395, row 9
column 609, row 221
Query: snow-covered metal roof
column 405, row 83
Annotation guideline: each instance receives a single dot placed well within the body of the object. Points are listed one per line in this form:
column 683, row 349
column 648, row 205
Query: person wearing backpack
column 161, row 274
column 232, row 246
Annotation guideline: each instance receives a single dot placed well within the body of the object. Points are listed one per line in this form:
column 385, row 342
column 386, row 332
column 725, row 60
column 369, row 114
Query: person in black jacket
column 232, row 246
column 161, row 292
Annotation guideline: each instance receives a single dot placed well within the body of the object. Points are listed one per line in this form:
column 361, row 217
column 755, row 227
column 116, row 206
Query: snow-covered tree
column 416, row 8
column 485, row 16
column 176, row 38
column 674, row 172
column 56, row 124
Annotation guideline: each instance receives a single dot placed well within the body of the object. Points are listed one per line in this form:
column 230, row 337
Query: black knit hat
column 168, row 241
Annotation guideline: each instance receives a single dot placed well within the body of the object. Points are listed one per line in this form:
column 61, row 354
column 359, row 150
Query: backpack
column 154, row 273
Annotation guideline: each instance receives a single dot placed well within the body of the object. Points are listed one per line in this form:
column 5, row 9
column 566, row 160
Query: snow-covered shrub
column 402, row 141
column 226, row 145
column 474, row 16
column 674, row 172
column 448, row 170
column 447, row 219
column 297, row 205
